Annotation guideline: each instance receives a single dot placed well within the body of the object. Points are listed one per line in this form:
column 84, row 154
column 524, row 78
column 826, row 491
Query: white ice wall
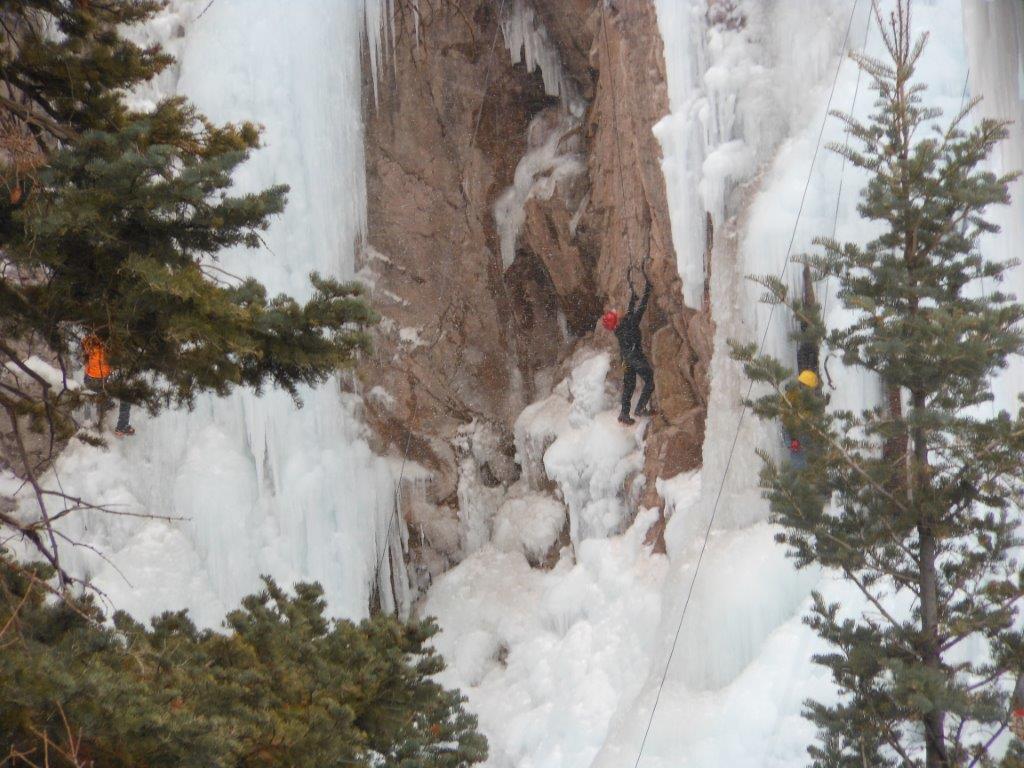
column 266, row 488
column 995, row 43
column 757, row 98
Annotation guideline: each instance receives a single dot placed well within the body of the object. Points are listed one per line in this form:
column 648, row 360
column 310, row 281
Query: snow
column 545, row 657
column 411, row 337
column 529, row 524
column 51, row 375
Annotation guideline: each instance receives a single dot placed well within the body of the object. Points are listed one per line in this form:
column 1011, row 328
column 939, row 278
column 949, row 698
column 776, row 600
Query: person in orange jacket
column 97, row 370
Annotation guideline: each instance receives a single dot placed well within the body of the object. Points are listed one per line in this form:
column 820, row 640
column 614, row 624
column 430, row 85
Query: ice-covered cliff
column 566, row 672
column 261, row 486
column 559, row 619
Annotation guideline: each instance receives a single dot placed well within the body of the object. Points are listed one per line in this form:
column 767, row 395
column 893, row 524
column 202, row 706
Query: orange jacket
column 97, row 366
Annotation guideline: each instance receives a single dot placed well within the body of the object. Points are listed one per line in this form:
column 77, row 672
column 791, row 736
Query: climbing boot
column 624, row 419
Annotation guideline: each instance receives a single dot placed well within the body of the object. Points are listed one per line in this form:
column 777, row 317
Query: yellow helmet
column 809, row 379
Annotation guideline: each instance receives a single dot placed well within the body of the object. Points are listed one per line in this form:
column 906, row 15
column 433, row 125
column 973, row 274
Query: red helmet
column 610, row 320
column 794, row 446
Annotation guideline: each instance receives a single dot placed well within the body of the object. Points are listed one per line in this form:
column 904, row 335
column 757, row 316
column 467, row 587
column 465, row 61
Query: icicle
column 261, row 486
column 380, row 34
column 527, row 38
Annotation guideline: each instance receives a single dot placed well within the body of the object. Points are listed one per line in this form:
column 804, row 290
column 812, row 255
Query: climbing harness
column 743, row 411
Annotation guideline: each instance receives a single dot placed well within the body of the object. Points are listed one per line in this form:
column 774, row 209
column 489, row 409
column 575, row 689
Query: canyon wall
column 513, row 179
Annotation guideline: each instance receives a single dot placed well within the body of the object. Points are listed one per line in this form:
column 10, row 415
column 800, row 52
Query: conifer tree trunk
column 934, row 721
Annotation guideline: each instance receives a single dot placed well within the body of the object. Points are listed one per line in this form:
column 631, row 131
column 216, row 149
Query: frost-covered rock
column 591, row 465
column 531, row 524
column 535, row 429
column 571, row 442
column 484, row 472
column 544, row 166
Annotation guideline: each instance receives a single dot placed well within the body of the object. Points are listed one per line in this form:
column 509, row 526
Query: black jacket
column 628, row 329
column 807, row 357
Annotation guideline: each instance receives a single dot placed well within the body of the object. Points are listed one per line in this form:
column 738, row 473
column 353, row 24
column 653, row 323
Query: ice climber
column 97, row 370
column 627, row 330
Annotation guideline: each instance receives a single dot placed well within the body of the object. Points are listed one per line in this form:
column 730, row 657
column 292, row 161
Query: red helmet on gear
column 610, row 320
column 794, row 446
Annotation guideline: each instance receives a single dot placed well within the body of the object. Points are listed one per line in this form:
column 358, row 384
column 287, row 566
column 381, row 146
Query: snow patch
column 546, row 657
column 530, row 524
column 48, row 373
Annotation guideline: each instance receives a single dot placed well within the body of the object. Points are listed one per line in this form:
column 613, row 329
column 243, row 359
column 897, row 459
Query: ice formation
column 547, row 162
column 263, row 487
column 527, row 41
column 562, row 664
column 747, row 103
column 995, row 44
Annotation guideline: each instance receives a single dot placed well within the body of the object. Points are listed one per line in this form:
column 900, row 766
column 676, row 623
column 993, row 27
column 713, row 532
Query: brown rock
column 465, row 338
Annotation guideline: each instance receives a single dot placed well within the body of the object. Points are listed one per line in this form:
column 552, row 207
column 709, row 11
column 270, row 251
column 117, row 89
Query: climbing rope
column 618, row 146
column 487, row 73
column 743, row 411
column 842, row 169
column 412, row 413
column 805, row 643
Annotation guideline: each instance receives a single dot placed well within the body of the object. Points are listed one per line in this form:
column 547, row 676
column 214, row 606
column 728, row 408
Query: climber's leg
column 124, row 428
column 645, row 372
column 628, row 387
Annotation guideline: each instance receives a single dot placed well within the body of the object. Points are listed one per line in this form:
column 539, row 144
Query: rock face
column 513, row 179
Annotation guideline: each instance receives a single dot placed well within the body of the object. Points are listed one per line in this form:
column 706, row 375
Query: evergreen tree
column 111, row 220
column 115, row 229
column 282, row 686
column 926, row 489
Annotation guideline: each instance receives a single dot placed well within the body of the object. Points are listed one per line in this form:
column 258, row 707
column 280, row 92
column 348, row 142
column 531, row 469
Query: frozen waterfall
column 742, row 668
column 267, row 488
column 563, row 667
